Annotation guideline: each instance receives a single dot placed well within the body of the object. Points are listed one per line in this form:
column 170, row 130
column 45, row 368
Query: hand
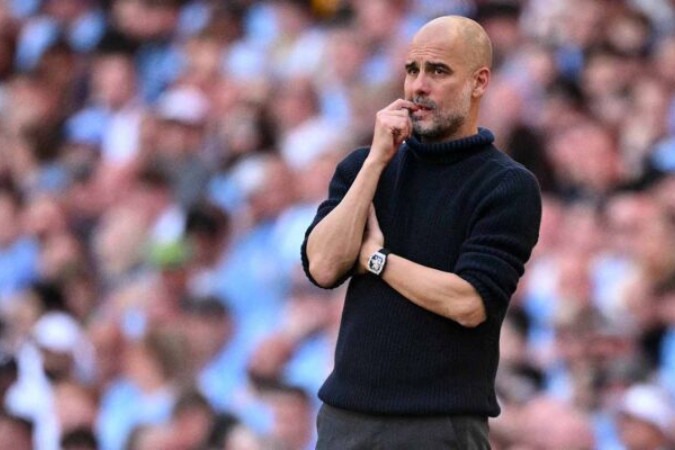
column 392, row 126
column 373, row 240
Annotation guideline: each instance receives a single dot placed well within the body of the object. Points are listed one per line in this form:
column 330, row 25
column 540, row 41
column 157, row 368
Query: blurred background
column 160, row 161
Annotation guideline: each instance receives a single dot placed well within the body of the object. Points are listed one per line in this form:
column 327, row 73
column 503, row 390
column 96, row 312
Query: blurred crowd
column 160, row 161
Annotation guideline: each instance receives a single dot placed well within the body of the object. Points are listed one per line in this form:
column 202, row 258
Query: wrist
column 377, row 262
column 375, row 163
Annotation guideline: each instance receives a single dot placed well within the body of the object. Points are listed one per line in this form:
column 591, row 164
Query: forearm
column 440, row 292
column 334, row 244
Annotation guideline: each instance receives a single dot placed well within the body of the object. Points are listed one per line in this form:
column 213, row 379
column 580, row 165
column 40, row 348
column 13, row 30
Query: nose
column 420, row 84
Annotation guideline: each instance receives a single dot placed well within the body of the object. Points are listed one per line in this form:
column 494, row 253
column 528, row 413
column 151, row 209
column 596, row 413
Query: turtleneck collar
column 450, row 151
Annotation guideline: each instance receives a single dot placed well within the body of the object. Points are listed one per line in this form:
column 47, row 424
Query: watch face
column 376, row 263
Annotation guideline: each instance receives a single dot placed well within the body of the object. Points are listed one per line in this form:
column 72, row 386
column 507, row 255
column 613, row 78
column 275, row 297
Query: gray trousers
column 346, row 430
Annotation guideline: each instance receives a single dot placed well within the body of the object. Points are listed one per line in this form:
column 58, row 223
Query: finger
column 401, row 132
column 401, row 119
column 398, row 118
column 403, row 112
column 396, row 122
column 401, row 104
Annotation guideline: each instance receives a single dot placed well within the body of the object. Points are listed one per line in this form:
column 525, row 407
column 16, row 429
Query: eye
column 411, row 70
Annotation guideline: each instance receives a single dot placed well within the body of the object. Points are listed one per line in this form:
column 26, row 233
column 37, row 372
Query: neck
column 450, row 150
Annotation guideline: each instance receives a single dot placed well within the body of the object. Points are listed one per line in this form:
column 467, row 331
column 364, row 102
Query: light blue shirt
column 18, row 266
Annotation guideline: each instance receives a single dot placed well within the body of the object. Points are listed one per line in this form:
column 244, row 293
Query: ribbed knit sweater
column 462, row 207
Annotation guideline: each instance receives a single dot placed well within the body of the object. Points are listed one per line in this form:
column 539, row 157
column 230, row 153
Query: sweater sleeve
column 344, row 176
column 504, row 230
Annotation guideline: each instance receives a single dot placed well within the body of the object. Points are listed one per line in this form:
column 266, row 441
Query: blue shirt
column 18, row 266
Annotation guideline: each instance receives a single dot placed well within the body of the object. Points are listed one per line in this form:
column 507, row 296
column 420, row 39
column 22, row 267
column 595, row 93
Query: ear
column 481, row 79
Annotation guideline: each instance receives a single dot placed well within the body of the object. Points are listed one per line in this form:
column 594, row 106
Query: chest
column 425, row 210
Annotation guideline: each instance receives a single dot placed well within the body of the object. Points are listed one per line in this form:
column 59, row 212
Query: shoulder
column 500, row 158
column 499, row 179
column 352, row 163
column 505, row 169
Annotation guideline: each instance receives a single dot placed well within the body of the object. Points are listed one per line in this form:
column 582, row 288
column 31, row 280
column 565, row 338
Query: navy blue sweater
column 461, row 207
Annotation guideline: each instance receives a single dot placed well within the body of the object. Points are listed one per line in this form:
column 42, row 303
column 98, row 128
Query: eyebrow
column 438, row 65
column 428, row 66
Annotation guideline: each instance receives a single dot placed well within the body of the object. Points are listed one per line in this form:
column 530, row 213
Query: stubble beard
column 441, row 126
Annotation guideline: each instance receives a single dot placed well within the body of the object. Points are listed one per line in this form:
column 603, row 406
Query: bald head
column 447, row 73
column 463, row 32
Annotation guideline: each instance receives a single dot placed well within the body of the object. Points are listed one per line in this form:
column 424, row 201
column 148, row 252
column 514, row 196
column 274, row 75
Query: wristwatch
column 377, row 261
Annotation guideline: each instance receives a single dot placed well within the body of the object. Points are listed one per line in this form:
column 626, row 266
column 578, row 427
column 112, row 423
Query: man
column 434, row 225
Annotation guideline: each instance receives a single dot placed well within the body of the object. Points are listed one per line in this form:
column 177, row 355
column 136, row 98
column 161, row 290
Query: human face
column 441, row 84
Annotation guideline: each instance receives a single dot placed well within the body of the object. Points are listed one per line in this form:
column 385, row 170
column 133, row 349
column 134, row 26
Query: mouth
column 420, row 111
column 423, row 107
